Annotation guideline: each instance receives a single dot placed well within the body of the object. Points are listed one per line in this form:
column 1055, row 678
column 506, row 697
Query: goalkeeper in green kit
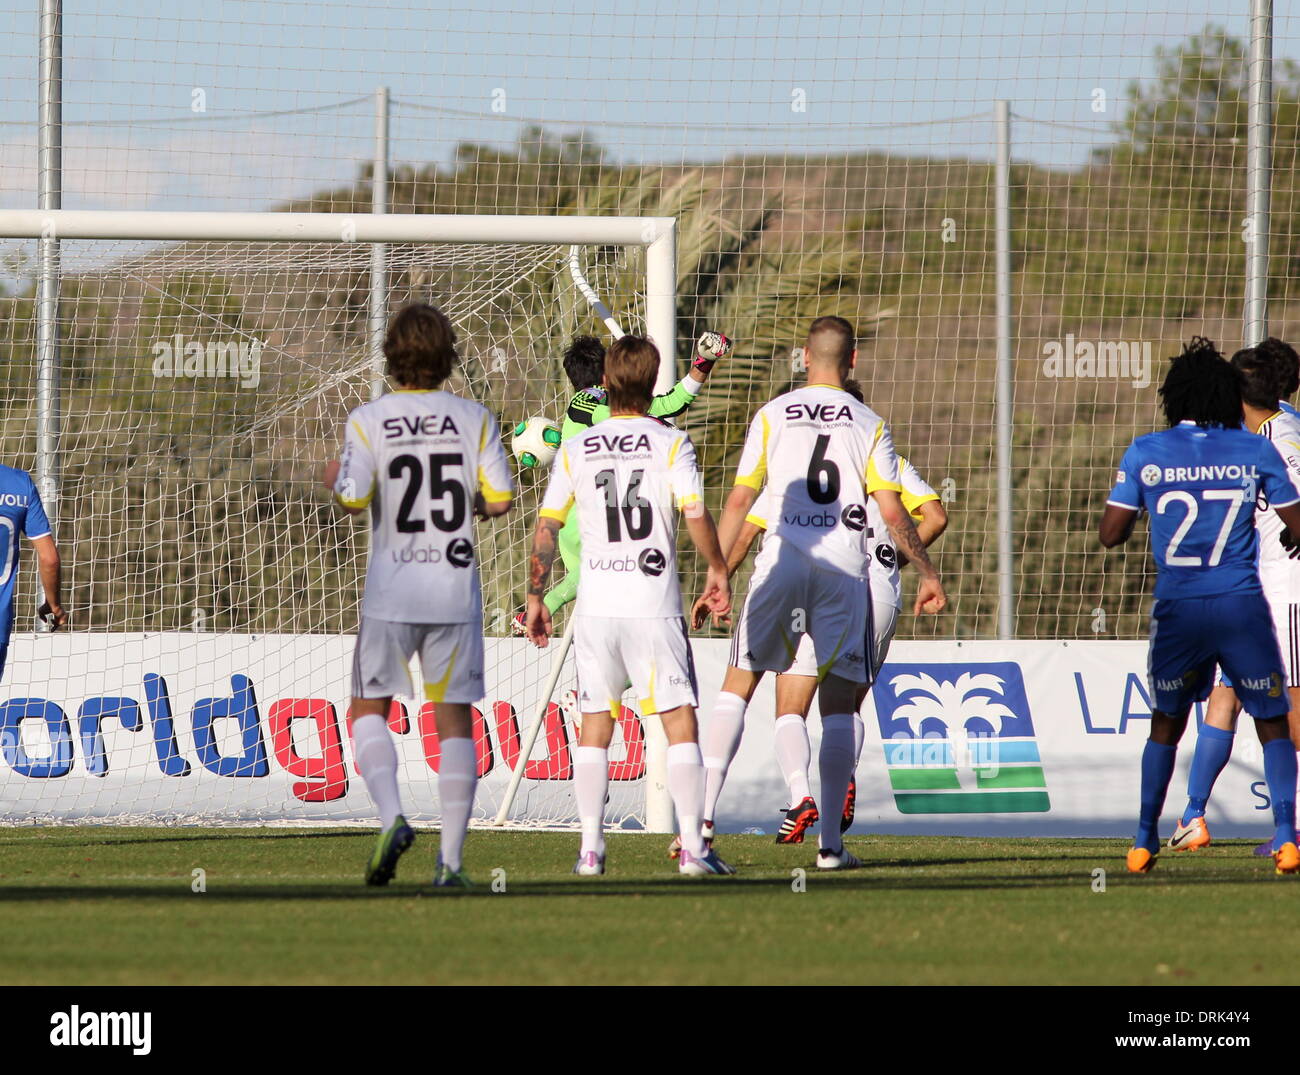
column 584, row 363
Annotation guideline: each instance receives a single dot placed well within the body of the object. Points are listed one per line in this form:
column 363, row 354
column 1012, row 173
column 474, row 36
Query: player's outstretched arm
column 717, row 587
column 537, row 619
column 51, row 570
column 739, row 501
column 741, row 546
column 709, row 348
column 934, row 521
column 739, row 552
column 930, row 597
column 1117, row 525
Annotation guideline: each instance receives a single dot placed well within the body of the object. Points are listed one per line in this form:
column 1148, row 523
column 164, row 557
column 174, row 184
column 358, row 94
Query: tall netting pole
column 1002, row 225
column 1259, row 165
column 49, row 197
column 379, row 251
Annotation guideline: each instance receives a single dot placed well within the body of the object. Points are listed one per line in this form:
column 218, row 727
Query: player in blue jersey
column 21, row 513
column 1199, row 481
column 1265, row 375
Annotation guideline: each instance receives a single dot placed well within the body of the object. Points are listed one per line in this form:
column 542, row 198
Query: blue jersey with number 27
column 21, row 515
column 1200, row 486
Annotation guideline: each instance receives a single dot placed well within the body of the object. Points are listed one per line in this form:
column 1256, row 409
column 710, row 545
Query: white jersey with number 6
column 882, row 570
column 627, row 476
column 416, row 459
column 820, row 453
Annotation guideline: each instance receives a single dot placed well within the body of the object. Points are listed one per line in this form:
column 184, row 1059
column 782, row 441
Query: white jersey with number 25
column 416, row 459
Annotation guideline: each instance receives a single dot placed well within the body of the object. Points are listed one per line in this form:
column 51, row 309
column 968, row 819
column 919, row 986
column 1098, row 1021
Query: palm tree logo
column 959, row 739
column 963, row 712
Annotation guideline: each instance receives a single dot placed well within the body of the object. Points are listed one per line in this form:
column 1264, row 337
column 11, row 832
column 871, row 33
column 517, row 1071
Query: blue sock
column 1157, row 771
column 1213, row 749
column 1280, row 772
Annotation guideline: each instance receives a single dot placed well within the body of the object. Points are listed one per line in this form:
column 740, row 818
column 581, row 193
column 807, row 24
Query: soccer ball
column 535, row 442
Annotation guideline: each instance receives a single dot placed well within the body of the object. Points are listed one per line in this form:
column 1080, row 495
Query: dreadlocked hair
column 1202, row 387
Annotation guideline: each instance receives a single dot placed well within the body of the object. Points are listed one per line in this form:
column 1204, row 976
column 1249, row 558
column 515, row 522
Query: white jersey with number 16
column 626, row 476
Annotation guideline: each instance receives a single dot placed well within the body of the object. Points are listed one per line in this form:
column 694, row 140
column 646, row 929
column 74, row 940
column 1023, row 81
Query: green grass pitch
column 101, row 905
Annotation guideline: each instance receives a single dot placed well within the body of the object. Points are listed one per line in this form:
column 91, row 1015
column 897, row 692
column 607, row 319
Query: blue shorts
column 1190, row 635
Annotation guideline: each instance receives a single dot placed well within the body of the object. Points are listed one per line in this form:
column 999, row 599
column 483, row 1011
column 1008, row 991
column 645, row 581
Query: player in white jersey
column 796, row 687
column 1265, row 376
column 425, row 462
column 820, row 454
column 627, row 476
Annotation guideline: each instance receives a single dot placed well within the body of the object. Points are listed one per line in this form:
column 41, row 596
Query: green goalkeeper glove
column 708, row 349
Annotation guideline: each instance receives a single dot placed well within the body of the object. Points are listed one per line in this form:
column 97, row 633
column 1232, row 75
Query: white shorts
column 884, row 621
column 1286, row 623
column 791, row 598
column 655, row 655
column 451, row 660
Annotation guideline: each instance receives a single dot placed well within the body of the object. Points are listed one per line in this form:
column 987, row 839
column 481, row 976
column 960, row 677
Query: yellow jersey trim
column 872, row 479
column 913, row 502
column 361, row 432
column 491, row 495
column 355, row 503
column 558, row 516
column 756, row 479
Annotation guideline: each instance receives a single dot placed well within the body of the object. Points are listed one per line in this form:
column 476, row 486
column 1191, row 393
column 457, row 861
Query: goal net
column 214, row 591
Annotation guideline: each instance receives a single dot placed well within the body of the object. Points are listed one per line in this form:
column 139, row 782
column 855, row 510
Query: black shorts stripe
column 734, row 657
column 690, row 657
column 869, row 643
column 1294, row 614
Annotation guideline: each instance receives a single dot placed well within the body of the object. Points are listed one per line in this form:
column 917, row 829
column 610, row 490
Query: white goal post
column 122, row 234
column 658, row 235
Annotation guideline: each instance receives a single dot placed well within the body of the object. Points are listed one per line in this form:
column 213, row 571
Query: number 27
column 1231, row 497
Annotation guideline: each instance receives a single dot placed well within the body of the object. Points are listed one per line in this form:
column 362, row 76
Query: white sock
column 859, row 736
column 794, row 755
column 721, row 741
column 836, row 765
column 376, row 757
column 590, row 785
column 686, row 786
column 457, row 775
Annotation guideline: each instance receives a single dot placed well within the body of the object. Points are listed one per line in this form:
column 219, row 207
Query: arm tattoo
column 539, row 566
column 910, row 545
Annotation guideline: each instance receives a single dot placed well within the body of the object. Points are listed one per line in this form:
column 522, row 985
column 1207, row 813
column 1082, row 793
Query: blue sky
column 659, row 80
